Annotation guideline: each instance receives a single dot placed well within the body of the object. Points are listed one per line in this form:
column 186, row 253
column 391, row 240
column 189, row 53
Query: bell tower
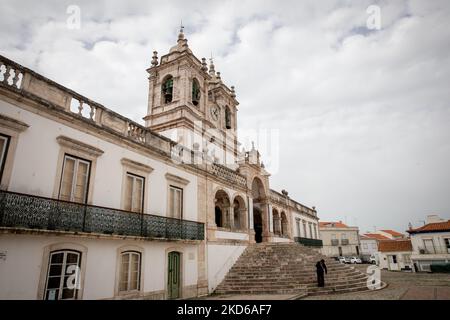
column 189, row 103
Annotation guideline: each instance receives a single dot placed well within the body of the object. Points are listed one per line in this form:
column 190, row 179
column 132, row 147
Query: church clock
column 215, row 113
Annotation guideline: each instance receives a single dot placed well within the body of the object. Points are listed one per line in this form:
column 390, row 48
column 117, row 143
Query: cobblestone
column 401, row 286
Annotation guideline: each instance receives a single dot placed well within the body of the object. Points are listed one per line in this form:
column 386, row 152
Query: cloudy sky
column 363, row 115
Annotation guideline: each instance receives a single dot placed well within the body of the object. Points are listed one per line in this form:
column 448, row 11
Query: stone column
column 231, row 217
column 270, row 219
column 265, row 223
column 279, row 225
column 250, row 213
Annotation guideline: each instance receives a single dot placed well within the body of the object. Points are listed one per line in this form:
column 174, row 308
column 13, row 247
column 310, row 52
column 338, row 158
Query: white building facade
column 431, row 244
column 339, row 239
column 369, row 247
column 96, row 206
column 395, row 255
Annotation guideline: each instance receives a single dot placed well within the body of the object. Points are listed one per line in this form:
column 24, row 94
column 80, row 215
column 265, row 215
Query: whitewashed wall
column 384, row 262
column 220, row 260
column 437, row 237
column 36, row 159
column 20, row 272
column 369, row 246
column 297, row 215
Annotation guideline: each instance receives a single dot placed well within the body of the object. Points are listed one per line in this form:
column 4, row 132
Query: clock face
column 215, row 113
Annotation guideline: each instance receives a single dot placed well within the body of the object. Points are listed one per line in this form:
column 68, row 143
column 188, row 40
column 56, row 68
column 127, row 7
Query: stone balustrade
column 228, row 174
column 276, row 197
column 26, row 82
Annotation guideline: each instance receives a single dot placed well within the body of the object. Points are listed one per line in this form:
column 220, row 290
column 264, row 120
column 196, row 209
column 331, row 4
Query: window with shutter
column 4, row 144
column 134, row 193
column 75, row 179
column 175, row 202
column 130, row 271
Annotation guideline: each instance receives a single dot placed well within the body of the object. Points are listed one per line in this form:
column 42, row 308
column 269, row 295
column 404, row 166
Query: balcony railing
column 334, row 242
column 435, row 250
column 33, row 212
column 344, row 242
column 309, row 242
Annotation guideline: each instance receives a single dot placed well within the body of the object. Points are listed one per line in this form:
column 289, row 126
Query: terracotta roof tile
column 393, row 233
column 431, row 227
column 332, row 224
column 376, row 236
column 394, row 245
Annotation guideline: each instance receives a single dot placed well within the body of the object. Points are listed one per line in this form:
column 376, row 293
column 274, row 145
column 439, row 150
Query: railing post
column 2, row 206
column 182, row 229
column 51, row 225
column 142, row 225
column 84, row 218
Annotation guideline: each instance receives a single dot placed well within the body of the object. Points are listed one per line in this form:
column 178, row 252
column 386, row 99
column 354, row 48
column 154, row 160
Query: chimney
column 433, row 218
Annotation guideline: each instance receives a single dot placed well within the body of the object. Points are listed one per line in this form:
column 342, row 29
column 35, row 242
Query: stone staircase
column 287, row 268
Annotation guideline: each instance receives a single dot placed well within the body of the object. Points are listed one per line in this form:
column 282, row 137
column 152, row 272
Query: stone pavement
column 401, row 286
column 253, row 297
column 427, row 293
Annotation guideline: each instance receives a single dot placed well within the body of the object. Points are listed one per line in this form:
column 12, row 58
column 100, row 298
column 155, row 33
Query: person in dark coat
column 320, row 275
column 324, row 266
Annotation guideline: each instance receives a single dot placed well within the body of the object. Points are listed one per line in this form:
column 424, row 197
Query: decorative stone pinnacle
column 212, row 71
column 218, row 75
column 155, row 59
column 181, row 34
column 204, row 65
column 233, row 93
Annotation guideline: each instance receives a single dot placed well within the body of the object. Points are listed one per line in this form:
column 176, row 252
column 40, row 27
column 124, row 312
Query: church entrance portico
column 260, row 211
column 257, row 225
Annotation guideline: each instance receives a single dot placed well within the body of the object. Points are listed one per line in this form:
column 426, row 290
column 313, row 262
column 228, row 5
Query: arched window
column 130, row 271
column 167, row 89
column 239, row 213
column 195, row 92
column 63, row 272
column 222, row 209
column 227, row 118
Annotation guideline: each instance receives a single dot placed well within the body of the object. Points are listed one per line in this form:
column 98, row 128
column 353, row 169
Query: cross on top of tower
column 181, row 34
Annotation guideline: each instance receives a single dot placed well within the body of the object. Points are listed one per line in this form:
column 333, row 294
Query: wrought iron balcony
column 334, row 242
column 309, row 242
column 33, row 212
column 344, row 242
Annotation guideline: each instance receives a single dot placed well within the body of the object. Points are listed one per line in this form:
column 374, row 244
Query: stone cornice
column 136, row 165
column 79, row 146
column 176, row 179
column 13, row 124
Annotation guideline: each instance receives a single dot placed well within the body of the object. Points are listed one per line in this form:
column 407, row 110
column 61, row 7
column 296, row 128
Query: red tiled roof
column 376, row 236
column 431, row 227
column 394, row 245
column 332, row 224
column 393, row 233
column 363, row 237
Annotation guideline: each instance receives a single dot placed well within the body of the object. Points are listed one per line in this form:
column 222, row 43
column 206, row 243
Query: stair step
column 287, row 268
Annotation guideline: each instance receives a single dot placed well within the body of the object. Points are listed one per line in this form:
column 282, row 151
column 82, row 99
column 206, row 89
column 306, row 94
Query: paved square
column 401, row 286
